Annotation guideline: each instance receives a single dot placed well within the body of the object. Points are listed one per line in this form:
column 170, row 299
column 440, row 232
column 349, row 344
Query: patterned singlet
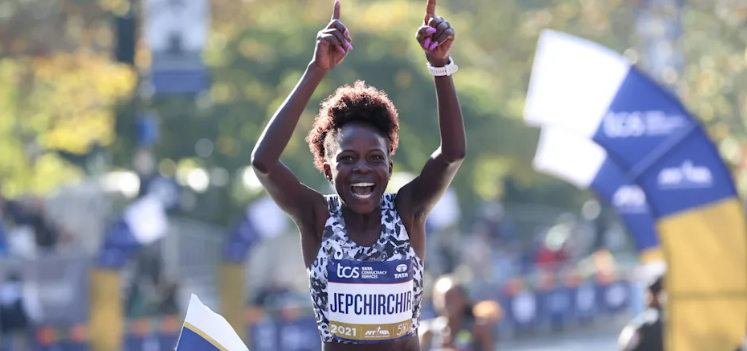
column 366, row 294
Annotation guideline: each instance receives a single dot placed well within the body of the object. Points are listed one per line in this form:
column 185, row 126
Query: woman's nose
column 362, row 167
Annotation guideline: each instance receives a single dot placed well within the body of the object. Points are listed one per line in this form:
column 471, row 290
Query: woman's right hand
column 332, row 43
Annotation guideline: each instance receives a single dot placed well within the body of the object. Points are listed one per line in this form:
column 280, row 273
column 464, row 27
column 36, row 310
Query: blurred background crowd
column 104, row 103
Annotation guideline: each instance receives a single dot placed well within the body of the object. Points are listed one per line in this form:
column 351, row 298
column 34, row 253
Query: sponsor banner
column 598, row 95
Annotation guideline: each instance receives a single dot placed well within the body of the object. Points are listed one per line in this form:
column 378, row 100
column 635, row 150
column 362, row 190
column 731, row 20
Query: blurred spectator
column 14, row 321
column 504, row 261
column 46, row 235
column 144, row 296
column 169, row 304
column 477, row 252
column 30, row 231
column 271, row 294
column 550, row 258
column 743, row 347
column 448, row 246
column 646, row 332
column 457, row 326
column 148, row 260
column 21, row 241
column 136, row 301
column 30, row 213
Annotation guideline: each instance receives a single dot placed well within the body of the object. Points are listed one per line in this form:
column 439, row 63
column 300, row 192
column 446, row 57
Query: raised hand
column 435, row 36
column 332, row 43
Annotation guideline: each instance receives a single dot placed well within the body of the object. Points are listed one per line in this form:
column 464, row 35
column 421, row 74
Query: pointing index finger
column 336, row 11
column 430, row 10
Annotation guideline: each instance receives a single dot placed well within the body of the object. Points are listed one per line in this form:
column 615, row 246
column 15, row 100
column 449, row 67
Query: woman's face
column 359, row 167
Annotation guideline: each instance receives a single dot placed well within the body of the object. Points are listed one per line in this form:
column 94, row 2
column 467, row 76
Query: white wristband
column 447, row 70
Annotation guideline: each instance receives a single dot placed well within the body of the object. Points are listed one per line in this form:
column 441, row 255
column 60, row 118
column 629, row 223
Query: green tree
column 714, row 82
column 57, row 93
column 56, row 54
column 258, row 51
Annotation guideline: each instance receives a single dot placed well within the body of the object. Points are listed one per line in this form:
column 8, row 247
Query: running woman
column 363, row 248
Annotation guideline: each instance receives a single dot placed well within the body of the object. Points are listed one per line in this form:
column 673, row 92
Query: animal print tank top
column 366, row 294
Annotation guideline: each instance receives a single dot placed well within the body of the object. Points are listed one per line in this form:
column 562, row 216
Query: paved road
column 601, row 337
column 602, row 342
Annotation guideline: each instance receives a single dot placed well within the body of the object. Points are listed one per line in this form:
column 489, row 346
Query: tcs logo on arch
column 348, row 272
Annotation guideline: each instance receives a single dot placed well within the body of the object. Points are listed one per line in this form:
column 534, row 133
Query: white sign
column 269, row 220
column 147, row 219
column 170, row 21
column 446, row 211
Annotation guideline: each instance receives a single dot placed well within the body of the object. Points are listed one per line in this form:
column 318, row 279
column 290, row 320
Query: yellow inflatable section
column 706, row 280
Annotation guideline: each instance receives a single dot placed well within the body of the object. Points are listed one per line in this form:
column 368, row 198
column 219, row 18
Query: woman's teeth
column 362, row 190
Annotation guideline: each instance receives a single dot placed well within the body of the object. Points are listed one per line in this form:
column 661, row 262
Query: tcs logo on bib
column 348, row 272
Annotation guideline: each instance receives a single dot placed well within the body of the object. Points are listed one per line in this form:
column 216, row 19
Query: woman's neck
column 361, row 222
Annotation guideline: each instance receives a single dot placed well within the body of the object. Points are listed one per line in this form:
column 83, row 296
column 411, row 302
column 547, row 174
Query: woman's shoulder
column 332, row 202
column 330, row 197
column 389, row 200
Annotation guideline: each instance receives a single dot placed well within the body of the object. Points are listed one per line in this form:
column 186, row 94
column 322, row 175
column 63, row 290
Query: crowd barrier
column 524, row 310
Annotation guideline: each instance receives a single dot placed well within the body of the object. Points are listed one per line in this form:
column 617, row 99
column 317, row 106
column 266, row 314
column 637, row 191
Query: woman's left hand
column 435, row 37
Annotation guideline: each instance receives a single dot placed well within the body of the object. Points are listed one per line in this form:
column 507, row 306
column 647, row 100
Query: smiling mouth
column 362, row 190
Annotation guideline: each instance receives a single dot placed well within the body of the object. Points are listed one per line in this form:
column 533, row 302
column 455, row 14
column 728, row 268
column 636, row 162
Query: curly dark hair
column 357, row 103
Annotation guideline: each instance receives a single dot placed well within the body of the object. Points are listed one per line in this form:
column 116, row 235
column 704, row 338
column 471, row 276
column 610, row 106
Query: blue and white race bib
column 370, row 301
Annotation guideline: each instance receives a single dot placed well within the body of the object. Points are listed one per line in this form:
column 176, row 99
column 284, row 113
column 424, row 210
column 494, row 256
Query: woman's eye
column 378, row 158
column 346, row 158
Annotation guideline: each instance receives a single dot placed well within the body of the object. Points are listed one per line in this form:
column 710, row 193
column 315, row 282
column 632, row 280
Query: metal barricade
column 54, row 285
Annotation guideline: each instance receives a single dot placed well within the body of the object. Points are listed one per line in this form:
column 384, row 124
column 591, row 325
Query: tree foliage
column 58, row 90
column 258, row 49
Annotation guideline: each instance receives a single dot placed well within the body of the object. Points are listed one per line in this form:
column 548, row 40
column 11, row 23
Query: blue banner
column 697, row 207
column 564, row 307
column 585, row 302
column 522, row 310
column 119, row 243
column 147, row 130
column 64, row 346
column 597, row 94
column 615, row 296
column 629, row 201
column 3, row 242
column 279, row 335
column 240, row 241
column 557, row 305
column 651, row 135
column 593, row 169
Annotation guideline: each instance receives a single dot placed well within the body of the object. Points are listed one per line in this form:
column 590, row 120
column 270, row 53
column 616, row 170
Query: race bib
column 369, row 301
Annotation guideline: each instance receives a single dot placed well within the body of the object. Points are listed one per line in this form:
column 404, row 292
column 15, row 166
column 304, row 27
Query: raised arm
column 296, row 199
column 420, row 195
